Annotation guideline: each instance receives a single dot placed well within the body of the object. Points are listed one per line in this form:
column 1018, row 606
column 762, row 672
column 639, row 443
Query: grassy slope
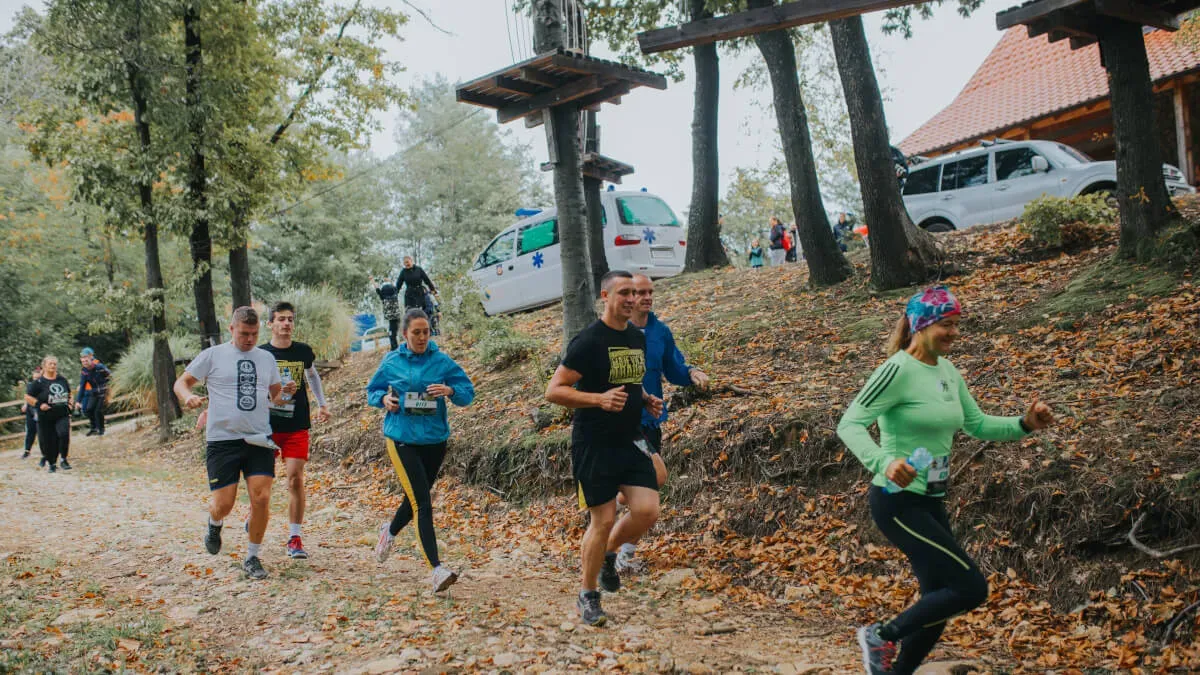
column 1114, row 348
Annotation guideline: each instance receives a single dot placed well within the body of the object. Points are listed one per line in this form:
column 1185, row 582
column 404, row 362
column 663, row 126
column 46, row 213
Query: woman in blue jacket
column 412, row 384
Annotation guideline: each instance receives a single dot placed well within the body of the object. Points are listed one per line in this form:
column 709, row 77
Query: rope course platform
column 1081, row 20
column 600, row 167
column 525, row 89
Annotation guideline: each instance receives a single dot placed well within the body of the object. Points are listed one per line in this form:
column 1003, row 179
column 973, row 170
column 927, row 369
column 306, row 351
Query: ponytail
column 901, row 336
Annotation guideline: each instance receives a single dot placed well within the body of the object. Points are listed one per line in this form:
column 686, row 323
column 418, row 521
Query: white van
column 522, row 267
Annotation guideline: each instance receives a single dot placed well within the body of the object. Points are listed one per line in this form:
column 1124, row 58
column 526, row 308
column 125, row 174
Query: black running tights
column 31, row 432
column 417, row 468
column 951, row 583
column 54, row 438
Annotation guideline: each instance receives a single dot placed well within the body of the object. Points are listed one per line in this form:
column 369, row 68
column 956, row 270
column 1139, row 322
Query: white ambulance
column 522, row 266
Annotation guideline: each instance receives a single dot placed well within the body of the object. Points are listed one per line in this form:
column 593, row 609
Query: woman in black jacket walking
column 414, row 280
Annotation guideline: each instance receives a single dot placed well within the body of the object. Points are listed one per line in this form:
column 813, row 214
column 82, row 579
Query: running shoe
column 383, row 547
column 589, row 608
column 610, row 581
column 65, row 465
column 443, row 578
column 295, row 548
column 25, row 455
column 212, row 540
column 253, row 568
column 628, row 563
column 878, row 654
column 42, row 463
column 91, row 432
column 53, row 469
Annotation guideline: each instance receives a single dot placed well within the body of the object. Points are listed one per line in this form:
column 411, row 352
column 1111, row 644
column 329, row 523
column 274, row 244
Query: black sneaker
column 65, row 465
column 253, row 568
column 610, row 581
column 91, row 432
column 53, row 468
column 588, row 603
column 212, row 540
column 25, row 455
column 878, row 654
column 42, row 463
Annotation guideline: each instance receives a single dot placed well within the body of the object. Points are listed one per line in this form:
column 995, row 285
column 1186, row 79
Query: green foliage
column 1066, row 221
column 323, row 320
column 500, row 345
column 750, row 200
column 134, row 373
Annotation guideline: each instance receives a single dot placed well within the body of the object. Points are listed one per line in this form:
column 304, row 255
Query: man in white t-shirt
column 241, row 381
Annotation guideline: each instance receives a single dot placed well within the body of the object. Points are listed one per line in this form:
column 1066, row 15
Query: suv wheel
column 938, row 226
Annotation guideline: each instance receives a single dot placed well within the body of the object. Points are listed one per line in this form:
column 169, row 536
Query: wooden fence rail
column 76, row 423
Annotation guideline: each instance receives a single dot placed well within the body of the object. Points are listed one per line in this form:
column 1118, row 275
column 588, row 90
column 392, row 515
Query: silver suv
column 994, row 182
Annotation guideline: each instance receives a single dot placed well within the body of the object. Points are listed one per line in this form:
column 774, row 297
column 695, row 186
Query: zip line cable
column 428, row 137
column 508, row 29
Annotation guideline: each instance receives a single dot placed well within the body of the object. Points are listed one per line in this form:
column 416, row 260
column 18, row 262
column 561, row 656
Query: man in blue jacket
column 663, row 359
column 97, row 375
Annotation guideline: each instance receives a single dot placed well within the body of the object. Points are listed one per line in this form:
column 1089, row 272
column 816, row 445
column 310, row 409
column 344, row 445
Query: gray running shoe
column 628, row 563
column 588, row 603
column 878, row 654
column 443, row 578
column 383, row 547
column 212, row 540
column 610, row 581
column 253, row 568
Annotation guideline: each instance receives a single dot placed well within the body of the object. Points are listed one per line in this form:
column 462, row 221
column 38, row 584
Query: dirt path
column 103, row 566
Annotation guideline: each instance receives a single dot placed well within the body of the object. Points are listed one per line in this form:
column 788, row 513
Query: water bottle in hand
column 920, row 460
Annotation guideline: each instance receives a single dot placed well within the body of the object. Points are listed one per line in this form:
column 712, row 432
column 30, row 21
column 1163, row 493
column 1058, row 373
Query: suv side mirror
column 1040, row 165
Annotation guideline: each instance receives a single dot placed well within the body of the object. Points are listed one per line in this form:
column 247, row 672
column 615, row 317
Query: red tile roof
column 1025, row 79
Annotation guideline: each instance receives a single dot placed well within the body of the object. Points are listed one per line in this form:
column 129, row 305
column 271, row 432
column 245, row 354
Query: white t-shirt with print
column 238, row 390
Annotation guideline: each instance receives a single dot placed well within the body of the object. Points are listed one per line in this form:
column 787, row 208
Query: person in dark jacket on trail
column 663, row 359
column 94, row 377
column 778, row 230
column 31, row 417
column 414, row 280
column 390, row 297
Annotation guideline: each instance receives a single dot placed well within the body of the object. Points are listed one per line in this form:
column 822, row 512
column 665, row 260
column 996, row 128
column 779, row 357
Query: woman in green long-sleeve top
column 920, row 400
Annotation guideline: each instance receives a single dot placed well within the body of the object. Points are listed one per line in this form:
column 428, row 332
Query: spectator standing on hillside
column 842, row 231
column 51, row 395
column 93, row 377
column 776, row 242
column 390, row 297
column 414, row 280
column 31, row 418
column 756, row 254
column 921, row 401
column 791, row 244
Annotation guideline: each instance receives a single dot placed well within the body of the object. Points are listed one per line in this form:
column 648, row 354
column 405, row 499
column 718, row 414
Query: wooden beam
column 1033, row 11
column 1078, row 42
column 516, row 86
column 564, row 94
column 1136, row 12
column 754, row 21
column 538, row 77
column 551, row 143
column 609, row 70
column 485, row 100
column 615, row 90
column 533, row 121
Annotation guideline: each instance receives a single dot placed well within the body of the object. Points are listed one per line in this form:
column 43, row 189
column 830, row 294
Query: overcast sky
column 651, row 129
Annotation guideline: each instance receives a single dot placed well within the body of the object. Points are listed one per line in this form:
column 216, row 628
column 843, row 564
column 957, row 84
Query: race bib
column 642, row 445
column 938, row 478
column 419, row 403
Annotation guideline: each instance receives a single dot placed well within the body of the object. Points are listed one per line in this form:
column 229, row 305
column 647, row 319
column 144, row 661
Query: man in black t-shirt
column 50, row 394
column 290, row 421
column 601, row 378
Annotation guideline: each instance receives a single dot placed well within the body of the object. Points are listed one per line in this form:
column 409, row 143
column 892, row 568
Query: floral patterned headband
column 930, row 306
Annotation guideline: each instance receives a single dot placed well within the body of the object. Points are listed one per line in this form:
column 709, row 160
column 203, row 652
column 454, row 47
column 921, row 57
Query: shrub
column 134, row 373
column 1067, row 221
column 500, row 345
column 323, row 320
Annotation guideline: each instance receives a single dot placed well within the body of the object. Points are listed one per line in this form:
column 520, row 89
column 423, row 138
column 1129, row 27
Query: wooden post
column 1183, row 131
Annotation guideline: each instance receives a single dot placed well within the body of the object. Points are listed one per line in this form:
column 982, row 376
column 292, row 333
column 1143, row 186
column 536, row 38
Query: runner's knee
column 603, row 521
column 296, row 482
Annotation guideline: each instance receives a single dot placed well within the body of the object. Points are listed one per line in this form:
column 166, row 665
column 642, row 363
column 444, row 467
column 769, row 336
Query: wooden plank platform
column 523, row 90
column 599, row 167
column 1081, row 20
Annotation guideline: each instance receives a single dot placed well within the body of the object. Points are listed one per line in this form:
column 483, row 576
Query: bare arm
column 183, row 391
column 29, row 400
column 562, row 391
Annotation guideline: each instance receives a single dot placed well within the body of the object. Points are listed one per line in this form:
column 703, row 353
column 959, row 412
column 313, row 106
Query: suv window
column 646, row 211
column 537, row 236
column 965, row 173
column 922, row 181
column 500, row 250
column 1014, row 163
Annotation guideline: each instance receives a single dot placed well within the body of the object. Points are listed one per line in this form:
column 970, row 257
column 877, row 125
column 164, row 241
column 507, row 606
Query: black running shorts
column 599, row 471
column 228, row 461
column 653, row 437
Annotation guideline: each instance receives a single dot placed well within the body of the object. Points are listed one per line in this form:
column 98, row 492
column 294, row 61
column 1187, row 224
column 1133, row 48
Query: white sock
column 293, row 529
column 628, row 549
column 252, row 550
column 217, row 523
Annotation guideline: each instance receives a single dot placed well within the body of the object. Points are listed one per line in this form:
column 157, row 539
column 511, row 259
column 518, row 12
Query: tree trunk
column 579, row 308
column 239, row 263
column 1144, row 204
column 826, row 264
column 704, row 247
column 901, row 253
column 163, row 362
column 200, row 240
column 595, row 230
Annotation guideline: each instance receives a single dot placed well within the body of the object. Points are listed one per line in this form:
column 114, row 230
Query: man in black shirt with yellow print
column 601, row 378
